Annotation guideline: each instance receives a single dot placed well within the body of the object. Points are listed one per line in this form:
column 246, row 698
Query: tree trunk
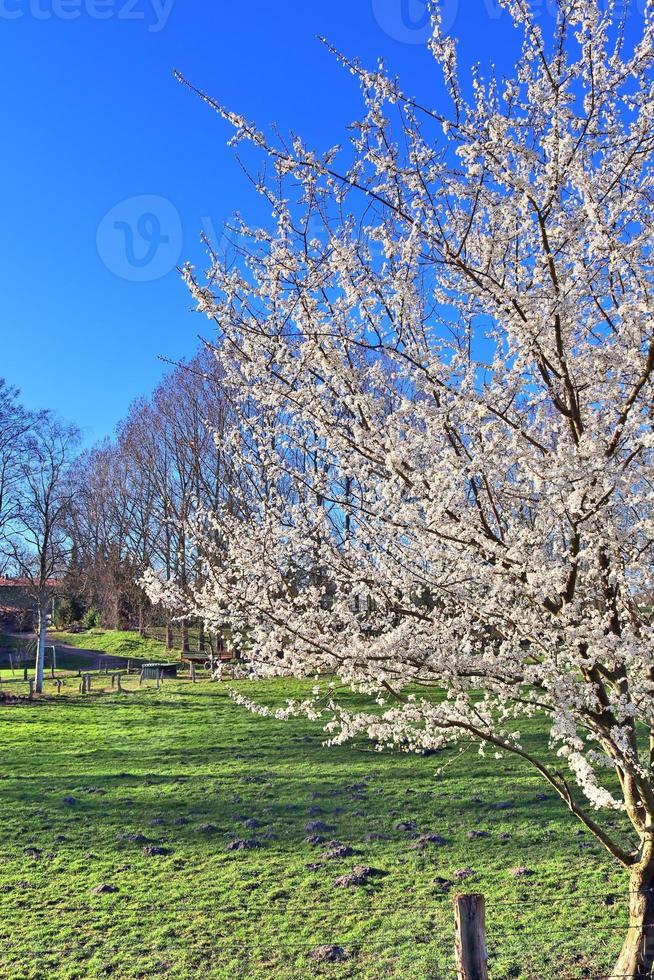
column 185, row 644
column 141, row 617
column 636, row 961
column 201, row 636
column 169, row 636
column 40, row 645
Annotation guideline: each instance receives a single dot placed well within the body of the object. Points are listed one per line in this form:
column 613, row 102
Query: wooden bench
column 200, row 659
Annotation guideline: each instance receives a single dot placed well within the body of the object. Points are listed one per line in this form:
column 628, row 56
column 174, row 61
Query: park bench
column 204, row 659
column 154, row 671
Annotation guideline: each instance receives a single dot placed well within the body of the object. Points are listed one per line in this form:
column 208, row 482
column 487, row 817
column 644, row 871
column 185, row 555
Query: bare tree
column 137, row 493
column 39, row 545
column 15, row 423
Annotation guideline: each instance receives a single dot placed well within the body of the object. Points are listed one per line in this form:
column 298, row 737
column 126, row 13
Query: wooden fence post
column 193, row 672
column 88, row 683
column 470, row 944
column 31, row 683
column 118, row 682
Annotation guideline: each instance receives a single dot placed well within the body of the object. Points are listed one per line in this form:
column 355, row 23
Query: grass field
column 191, row 772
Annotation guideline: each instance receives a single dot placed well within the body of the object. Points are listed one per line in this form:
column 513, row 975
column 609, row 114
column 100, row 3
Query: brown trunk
column 201, row 637
column 636, row 961
column 169, row 636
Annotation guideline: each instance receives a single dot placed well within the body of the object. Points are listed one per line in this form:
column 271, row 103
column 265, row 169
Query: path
column 90, row 659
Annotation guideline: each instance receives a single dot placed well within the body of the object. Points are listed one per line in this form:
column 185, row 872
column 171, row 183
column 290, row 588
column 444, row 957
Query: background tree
column 15, row 423
column 39, row 544
column 444, row 354
column 137, row 493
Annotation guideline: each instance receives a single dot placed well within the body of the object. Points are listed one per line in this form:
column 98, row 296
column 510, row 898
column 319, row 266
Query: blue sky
column 107, row 161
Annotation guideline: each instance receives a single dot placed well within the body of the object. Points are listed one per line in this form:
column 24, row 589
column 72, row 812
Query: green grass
column 120, row 643
column 201, row 910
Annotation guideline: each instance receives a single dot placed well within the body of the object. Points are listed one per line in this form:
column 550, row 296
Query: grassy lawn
column 187, row 769
column 120, row 643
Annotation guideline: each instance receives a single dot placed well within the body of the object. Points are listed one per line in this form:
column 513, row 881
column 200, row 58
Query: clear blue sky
column 91, row 117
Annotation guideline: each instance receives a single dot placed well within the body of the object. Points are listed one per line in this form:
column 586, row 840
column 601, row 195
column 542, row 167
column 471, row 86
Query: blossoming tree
column 442, row 360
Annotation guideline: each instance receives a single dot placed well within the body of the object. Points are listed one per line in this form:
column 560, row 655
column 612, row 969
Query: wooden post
column 118, row 682
column 24, row 673
column 88, row 683
column 470, row 945
column 129, row 666
column 192, row 665
column 141, row 677
column 58, row 683
column 31, row 683
column 113, row 680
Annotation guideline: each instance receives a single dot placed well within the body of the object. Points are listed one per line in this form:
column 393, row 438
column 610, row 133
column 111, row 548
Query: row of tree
column 138, row 492
column 88, row 525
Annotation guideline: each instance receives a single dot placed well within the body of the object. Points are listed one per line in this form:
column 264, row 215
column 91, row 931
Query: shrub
column 92, row 619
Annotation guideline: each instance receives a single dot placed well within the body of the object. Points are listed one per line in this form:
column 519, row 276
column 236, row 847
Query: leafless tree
column 39, row 544
column 15, row 423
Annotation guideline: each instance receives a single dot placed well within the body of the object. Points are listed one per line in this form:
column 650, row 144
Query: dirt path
column 92, row 658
